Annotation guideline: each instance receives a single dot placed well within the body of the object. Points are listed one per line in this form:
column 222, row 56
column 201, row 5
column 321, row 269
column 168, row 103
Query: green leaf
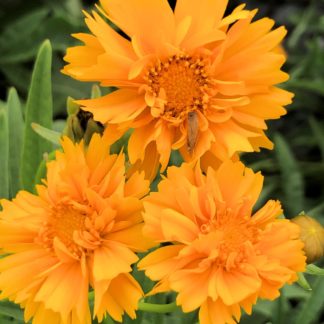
column 74, row 8
column 281, row 308
column 18, row 41
column 302, row 282
column 39, row 110
column 292, row 181
column 312, row 308
column 315, row 86
column 16, row 129
column 301, row 27
column 296, row 292
column 314, row 270
column 4, row 153
column 317, row 211
column 318, row 133
column 48, row 134
column 12, row 310
column 95, row 91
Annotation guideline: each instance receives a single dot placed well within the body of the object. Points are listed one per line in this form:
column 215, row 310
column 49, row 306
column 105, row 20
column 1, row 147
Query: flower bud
column 80, row 124
column 312, row 234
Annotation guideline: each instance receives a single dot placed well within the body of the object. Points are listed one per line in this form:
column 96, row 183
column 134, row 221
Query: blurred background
column 294, row 170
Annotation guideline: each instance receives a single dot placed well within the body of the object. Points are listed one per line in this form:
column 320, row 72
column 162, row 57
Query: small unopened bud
column 312, row 234
column 71, row 106
column 92, row 127
column 80, row 124
column 73, row 129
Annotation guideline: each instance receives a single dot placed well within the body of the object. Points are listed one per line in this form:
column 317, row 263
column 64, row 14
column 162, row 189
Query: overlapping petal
column 82, row 230
column 202, row 83
column 222, row 256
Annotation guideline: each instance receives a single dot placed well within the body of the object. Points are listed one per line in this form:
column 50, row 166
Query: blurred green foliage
column 24, row 26
column 294, row 170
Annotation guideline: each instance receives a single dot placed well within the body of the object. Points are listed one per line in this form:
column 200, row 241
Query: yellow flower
column 81, row 230
column 223, row 257
column 191, row 79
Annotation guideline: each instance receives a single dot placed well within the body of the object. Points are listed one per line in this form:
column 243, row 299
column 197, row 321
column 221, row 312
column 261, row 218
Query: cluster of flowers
column 195, row 80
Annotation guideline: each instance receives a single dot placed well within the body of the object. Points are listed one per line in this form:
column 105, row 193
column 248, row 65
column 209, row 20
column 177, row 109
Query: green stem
column 157, row 308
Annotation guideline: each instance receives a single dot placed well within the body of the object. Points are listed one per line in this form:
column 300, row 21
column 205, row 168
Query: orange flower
column 81, row 230
column 188, row 80
column 221, row 258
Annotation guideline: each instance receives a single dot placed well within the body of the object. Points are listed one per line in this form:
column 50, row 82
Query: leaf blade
column 4, row 153
column 16, row 128
column 292, row 180
column 48, row 134
column 39, row 109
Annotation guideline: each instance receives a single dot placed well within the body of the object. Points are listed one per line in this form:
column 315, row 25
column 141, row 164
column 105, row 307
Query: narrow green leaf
column 268, row 188
column 317, row 211
column 292, row 181
column 8, row 320
column 10, row 309
column 95, row 91
column 314, row 270
column 301, row 27
column 306, row 84
column 48, row 134
column 281, row 308
column 312, row 308
column 39, row 110
column 4, row 153
column 302, row 282
column 318, row 133
column 16, row 129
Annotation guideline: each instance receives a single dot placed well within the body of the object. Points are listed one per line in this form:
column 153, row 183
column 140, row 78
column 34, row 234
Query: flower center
column 179, row 84
column 235, row 241
column 67, row 223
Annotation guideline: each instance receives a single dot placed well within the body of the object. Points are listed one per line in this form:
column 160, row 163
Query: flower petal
column 127, row 14
column 119, row 106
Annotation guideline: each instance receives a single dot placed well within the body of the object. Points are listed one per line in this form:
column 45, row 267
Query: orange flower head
column 222, row 256
column 81, row 230
column 191, row 79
